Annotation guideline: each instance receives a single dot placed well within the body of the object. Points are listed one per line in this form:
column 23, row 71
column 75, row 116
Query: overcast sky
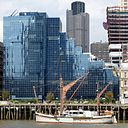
column 57, row 8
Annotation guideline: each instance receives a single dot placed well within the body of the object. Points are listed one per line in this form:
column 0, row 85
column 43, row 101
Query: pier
column 27, row 111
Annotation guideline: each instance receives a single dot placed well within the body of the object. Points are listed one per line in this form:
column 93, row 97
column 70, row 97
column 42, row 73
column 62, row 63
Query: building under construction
column 117, row 26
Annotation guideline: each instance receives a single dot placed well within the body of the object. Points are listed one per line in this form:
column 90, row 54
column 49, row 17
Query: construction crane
column 65, row 89
column 100, row 94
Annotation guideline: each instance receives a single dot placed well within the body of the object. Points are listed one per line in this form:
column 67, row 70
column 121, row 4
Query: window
column 125, row 74
column 125, row 83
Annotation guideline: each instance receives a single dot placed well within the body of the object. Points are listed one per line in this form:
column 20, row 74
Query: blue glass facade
column 57, row 59
column 53, row 53
column 36, row 51
column 101, row 77
column 35, row 47
column 98, row 74
column 25, row 44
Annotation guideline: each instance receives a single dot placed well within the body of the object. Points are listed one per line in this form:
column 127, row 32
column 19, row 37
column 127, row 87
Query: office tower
column 77, row 25
column 34, row 48
column 78, row 7
column 124, row 3
column 117, row 27
column 1, row 68
column 54, row 28
column 100, row 50
column 124, row 52
column 58, row 62
column 25, row 43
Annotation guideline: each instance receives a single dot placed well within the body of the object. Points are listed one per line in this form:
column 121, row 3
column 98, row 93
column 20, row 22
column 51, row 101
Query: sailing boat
column 74, row 116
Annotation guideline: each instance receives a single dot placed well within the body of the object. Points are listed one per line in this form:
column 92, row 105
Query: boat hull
column 42, row 118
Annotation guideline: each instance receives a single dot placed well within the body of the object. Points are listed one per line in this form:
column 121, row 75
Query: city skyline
column 97, row 12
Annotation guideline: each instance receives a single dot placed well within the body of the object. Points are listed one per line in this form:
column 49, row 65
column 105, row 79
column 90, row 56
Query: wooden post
column 30, row 112
column 124, row 115
column 19, row 112
column 9, row 113
column 25, row 110
column 4, row 113
column 14, row 117
column 118, row 113
column 1, row 113
column 45, row 109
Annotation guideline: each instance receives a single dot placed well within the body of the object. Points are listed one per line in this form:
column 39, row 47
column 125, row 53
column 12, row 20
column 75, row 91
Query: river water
column 33, row 124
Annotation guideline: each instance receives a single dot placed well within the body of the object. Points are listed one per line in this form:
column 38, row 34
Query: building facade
column 78, row 7
column 100, row 50
column 25, row 43
column 36, row 52
column 123, row 72
column 77, row 25
column 117, row 31
column 35, row 47
column 58, row 61
column 124, row 3
column 1, row 68
column 124, row 48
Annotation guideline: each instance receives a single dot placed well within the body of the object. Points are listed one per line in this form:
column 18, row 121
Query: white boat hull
column 42, row 118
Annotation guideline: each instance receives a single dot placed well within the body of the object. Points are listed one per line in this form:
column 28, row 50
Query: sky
column 57, row 8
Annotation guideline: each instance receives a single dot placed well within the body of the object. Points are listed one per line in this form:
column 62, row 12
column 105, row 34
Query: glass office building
column 25, row 43
column 36, row 52
column 35, row 47
column 57, row 58
column 98, row 73
column 1, row 68
column 54, row 28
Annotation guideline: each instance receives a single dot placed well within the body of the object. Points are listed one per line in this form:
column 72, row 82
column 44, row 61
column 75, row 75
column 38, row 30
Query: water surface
column 33, row 124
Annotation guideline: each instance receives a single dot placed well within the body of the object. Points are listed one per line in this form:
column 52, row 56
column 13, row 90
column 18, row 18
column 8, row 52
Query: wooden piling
column 25, row 112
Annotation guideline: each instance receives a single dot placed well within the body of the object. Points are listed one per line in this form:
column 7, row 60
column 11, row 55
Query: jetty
column 27, row 111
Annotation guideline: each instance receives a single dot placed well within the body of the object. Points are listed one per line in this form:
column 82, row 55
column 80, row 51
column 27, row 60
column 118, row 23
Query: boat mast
column 64, row 90
column 61, row 95
column 35, row 94
column 100, row 94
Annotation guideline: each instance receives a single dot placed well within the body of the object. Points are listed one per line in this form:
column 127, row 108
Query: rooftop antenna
column 14, row 13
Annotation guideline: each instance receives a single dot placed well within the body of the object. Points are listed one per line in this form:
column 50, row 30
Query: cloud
column 57, row 8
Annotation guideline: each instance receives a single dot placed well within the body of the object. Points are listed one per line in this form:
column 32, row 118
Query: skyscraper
column 34, row 47
column 77, row 25
column 124, row 3
column 25, row 44
column 78, row 7
column 1, row 68
column 117, row 18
